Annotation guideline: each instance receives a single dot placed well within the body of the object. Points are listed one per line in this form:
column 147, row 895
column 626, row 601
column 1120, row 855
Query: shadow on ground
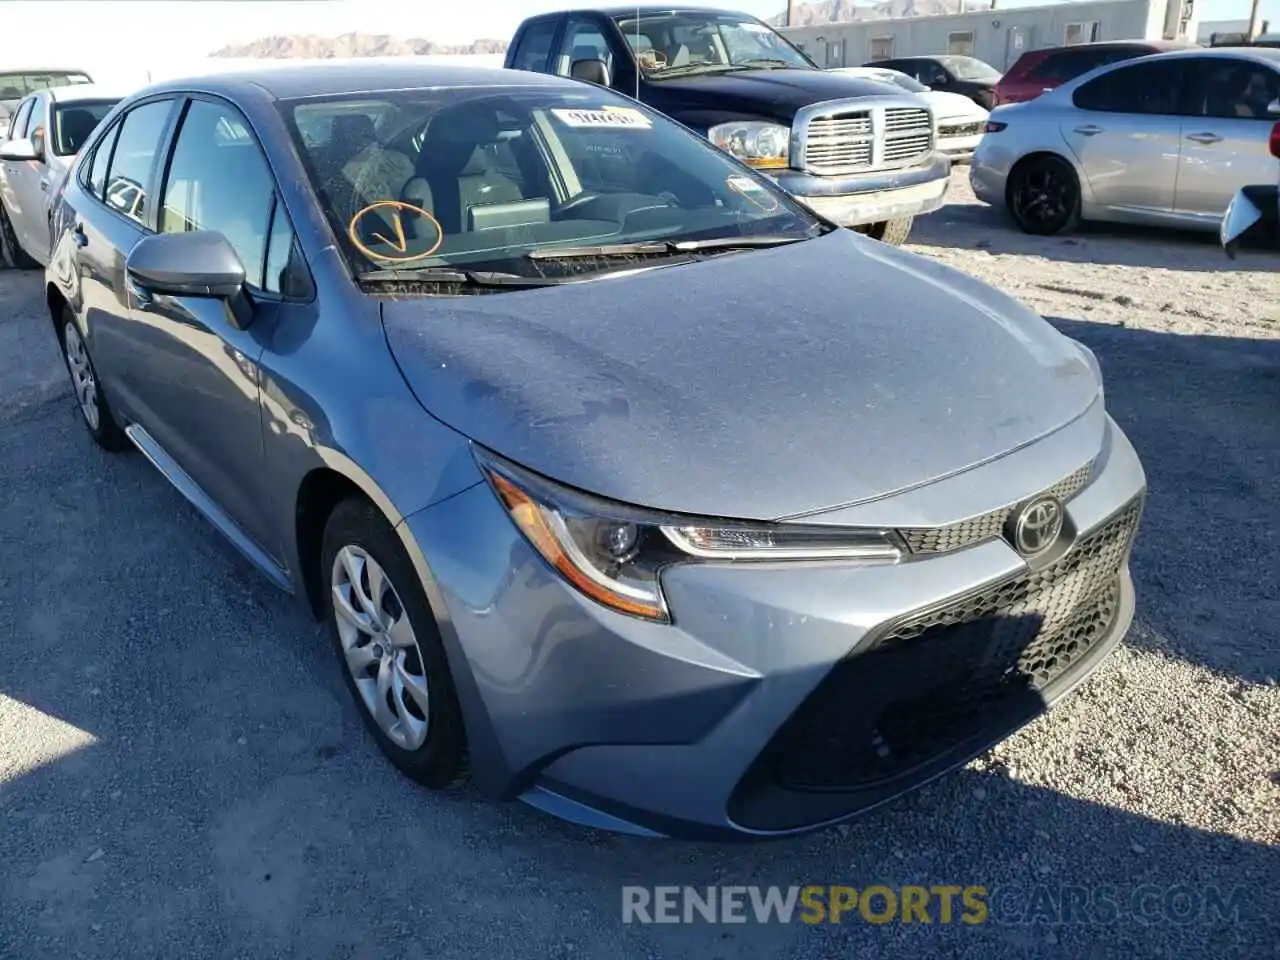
column 978, row 226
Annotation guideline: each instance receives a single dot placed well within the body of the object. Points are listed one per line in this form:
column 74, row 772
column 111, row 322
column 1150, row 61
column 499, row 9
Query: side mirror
column 592, row 71
column 20, row 149
column 197, row 264
column 37, row 143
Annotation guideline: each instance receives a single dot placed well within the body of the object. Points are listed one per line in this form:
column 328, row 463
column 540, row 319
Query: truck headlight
column 758, row 144
column 614, row 553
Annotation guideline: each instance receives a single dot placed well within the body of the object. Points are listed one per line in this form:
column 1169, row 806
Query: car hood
column 758, row 385
column 773, row 93
column 954, row 106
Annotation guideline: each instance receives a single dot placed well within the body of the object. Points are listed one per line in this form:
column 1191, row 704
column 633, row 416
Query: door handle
column 79, row 236
column 1088, row 129
column 44, row 184
column 1204, row 137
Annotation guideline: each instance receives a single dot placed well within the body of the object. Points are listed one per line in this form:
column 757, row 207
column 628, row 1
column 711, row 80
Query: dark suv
column 1039, row 71
column 949, row 73
column 859, row 152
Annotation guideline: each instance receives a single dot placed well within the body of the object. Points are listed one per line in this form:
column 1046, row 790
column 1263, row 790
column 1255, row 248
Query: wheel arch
column 1045, row 153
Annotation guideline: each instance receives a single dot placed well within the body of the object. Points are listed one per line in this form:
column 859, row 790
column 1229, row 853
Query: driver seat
column 457, row 170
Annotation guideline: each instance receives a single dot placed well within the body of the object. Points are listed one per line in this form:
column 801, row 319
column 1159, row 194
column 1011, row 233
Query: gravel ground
column 181, row 773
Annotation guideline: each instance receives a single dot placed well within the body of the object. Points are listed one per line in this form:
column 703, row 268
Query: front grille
column 908, row 134
column 960, row 129
column 988, row 526
column 941, row 679
column 839, row 143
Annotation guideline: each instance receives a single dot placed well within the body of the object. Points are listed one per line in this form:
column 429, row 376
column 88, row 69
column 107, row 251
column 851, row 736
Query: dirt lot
column 181, row 774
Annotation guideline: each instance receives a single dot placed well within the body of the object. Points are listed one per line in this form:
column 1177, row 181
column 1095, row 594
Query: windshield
column 668, row 44
column 970, row 68
column 902, row 80
column 15, row 86
column 479, row 179
column 73, row 122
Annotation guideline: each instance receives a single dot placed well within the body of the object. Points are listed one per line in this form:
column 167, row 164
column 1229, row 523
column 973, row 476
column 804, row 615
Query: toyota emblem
column 1037, row 525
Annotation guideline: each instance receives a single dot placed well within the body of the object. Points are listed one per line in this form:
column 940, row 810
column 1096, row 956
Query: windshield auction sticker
column 615, row 118
column 395, row 232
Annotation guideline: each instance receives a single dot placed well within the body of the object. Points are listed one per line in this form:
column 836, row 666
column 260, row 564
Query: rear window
column 1068, row 64
column 15, row 86
column 74, row 122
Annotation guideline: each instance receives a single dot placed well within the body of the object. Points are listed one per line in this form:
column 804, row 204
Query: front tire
column 10, row 250
column 389, row 647
column 892, row 232
column 98, row 419
column 1043, row 196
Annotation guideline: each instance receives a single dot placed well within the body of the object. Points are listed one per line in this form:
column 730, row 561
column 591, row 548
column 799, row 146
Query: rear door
column 120, row 180
column 30, row 184
column 1225, row 133
column 1125, row 131
column 14, row 170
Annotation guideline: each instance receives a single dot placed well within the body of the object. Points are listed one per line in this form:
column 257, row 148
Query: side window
column 1056, row 66
column 1145, row 88
column 582, row 41
column 97, row 182
column 18, row 128
column 280, row 253
column 218, row 180
column 1231, row 89
column 128, row 177
column 535, row 46
column 931, row 74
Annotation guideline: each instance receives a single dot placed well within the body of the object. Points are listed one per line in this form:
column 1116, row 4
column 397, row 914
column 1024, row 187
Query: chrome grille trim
column 860, row 135
column 987, row 526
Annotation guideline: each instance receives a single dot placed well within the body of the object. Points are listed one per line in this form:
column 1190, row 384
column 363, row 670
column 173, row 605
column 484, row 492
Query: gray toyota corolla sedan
column 628, row 487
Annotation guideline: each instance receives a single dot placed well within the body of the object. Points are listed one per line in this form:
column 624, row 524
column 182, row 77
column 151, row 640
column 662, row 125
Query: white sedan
column 46, row 132
column 961, row 122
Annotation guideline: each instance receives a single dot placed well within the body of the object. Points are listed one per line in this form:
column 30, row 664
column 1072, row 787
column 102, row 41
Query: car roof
column 1161, row 45
column 77, row 92
column 356, row 76
column 1267, row 55
column 629, row 10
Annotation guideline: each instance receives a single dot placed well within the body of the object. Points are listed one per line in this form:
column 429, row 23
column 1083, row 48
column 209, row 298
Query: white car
column 961, row 122
column 46, row 132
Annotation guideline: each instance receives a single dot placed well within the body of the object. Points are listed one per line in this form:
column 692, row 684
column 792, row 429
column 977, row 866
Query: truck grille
column 961, row 129
column 840, row 143
column 908, row 134
column 941, row 679
column 988, row 526
column 845, row 142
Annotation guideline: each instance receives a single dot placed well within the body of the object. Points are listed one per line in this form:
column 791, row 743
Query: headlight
column 765, row 145
column 613, row 553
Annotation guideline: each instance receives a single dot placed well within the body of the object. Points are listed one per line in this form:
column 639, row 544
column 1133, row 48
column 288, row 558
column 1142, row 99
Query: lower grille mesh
column 939, row 679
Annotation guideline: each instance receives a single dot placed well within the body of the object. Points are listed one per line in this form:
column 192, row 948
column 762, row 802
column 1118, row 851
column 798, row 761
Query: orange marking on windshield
column 397, row 210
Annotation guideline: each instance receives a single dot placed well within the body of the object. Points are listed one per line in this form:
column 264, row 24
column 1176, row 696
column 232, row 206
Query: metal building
column 997, row 36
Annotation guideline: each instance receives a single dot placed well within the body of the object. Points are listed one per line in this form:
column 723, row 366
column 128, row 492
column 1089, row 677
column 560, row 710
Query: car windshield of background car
column 677, row 44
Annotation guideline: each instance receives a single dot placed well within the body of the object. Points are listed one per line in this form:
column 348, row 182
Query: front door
column 1225, row 134
column 198, row 374
column 1124, row 131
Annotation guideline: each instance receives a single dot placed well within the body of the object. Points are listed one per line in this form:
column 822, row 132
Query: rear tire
column 96, row 412
column 10, row 251
column 389, row 648
column 1043, row 196
column 892, row 232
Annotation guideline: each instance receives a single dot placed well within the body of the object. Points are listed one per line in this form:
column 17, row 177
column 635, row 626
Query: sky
column 121, row 37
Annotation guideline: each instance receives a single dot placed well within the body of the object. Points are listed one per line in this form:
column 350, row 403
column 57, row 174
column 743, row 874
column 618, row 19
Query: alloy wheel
column 1043, row 197
column 380, row 648
column 82, row 378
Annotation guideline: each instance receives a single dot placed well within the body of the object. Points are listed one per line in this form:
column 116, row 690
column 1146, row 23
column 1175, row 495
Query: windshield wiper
column 466, row 278
column 651, row 247
column 764, row 62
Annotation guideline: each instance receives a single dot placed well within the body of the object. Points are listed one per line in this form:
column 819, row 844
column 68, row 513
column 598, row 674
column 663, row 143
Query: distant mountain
column 845, row 11
column 311, row 47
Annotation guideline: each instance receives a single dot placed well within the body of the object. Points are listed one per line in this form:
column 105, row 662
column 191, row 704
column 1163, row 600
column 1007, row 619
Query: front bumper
column 874, row 197
column 959, row 148
column 758, row 711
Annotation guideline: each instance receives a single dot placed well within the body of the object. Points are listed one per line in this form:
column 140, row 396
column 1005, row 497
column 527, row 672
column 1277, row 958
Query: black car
column 967, row 76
